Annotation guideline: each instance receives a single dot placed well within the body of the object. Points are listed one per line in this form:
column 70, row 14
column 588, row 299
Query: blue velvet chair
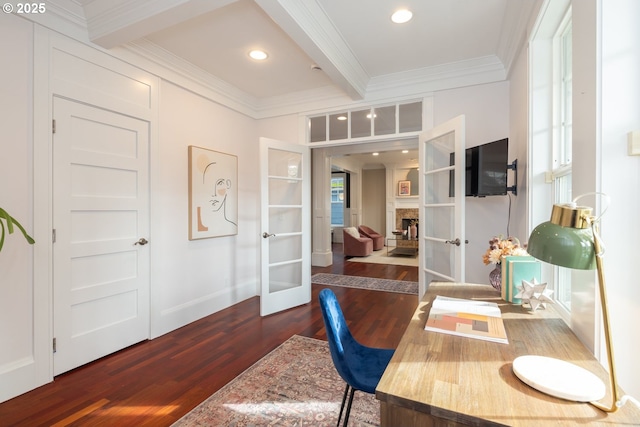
column 359, row 366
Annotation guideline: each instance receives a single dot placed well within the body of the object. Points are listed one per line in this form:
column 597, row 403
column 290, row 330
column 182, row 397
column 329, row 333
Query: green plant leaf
column 4, row 214
column 1, row 235
column 10, row 221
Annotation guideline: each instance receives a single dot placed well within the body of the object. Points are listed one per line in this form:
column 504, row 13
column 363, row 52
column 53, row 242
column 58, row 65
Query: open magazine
column 467, row 318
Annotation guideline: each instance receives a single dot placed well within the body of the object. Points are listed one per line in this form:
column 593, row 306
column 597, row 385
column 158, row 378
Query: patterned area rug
column 294, row 385
column 400, row 286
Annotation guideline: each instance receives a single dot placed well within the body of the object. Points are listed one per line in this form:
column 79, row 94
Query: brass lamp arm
column 599, row 251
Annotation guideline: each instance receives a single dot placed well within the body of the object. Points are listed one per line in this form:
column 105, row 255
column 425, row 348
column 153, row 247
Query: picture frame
column 213, row 193
column 404, row 188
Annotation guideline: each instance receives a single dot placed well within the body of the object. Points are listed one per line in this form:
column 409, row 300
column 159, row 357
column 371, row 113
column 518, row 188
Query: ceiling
column 321, row 52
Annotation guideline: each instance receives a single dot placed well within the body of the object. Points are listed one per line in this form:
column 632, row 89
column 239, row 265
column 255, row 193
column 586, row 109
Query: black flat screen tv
column 485, row 169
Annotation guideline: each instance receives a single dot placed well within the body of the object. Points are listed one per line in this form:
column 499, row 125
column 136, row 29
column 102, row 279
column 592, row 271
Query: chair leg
column 344, row 399
column 346, row 417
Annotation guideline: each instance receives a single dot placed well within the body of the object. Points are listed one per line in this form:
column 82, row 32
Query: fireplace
column 405, row 213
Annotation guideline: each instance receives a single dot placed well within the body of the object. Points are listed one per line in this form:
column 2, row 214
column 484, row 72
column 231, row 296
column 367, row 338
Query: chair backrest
column 338, row 334
column 366, row 230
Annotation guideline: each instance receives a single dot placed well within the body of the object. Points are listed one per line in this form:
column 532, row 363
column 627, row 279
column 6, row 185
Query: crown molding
column 63, row 16
column 395, row 86
column 511, row 38
column 176, row 70
column 487, row 69
column 166, row 65
column 112, row 23
column 69, row 20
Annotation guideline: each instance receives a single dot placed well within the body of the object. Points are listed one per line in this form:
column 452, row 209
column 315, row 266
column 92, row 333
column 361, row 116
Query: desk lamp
column 570, row 239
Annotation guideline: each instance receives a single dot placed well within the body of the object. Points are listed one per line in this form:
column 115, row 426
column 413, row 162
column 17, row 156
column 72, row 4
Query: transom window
column 366, row 122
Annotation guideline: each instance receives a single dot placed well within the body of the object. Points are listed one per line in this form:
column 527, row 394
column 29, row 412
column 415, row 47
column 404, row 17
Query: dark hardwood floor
column 155, row 382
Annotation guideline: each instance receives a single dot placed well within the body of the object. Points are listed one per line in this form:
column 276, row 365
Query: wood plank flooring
column 156, row 382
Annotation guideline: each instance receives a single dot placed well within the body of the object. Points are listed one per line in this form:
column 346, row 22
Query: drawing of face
column 220, row 193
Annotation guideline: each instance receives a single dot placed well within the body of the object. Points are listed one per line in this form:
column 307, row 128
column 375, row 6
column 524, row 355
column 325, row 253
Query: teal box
column 519, row 268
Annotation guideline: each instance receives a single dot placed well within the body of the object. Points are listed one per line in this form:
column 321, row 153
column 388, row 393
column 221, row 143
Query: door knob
column 456, row 242
column 141, row 242
column 266, row 235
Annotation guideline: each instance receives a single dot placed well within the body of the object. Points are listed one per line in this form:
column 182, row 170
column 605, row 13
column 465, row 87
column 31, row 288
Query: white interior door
column 286, row 225
column 100, row 217
column 442, row 218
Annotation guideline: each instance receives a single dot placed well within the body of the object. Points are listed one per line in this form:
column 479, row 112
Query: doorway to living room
column 370, row 194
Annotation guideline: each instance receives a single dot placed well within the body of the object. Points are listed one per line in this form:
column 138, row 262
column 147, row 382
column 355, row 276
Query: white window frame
column 562, row 141
column 546, row 126
column 342, row 202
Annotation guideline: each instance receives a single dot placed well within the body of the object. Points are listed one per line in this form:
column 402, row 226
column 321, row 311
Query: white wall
column 17, row 315
column 620, row 179
column 191, row 279
column 374, row 199
column 518, row 145
column 486, row 111
column 282, row 128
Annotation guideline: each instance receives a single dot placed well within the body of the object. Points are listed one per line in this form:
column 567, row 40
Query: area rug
column 381, row 257
column 401, row 286
column 294, row 385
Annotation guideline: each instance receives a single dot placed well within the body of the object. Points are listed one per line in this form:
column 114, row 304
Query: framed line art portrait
column 404, row 188
column 213, row 193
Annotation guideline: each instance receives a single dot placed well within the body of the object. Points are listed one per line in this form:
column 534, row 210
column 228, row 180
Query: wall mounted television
column 485, row 169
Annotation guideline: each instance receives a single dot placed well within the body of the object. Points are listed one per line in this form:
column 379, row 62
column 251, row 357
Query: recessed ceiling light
column 401, row 16
column 342, row 117
column 405, row 151
column 258, row 55
column 375, row 154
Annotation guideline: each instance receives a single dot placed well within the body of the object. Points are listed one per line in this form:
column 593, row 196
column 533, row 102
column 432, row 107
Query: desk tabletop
column 471, row 382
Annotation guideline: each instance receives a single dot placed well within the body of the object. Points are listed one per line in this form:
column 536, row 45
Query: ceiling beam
column 112, row 23
column 310, row 27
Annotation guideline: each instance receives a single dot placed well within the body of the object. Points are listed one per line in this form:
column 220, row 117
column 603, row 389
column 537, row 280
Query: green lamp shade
column 564, row 246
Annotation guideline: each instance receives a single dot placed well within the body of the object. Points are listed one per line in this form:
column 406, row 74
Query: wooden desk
column 440, row 380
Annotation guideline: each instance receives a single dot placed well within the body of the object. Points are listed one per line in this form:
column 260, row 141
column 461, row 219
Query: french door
column 442, row 216
column 285, row 225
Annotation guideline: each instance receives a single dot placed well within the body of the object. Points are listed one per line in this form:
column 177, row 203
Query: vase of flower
column 499, row 248
column 495, row 277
